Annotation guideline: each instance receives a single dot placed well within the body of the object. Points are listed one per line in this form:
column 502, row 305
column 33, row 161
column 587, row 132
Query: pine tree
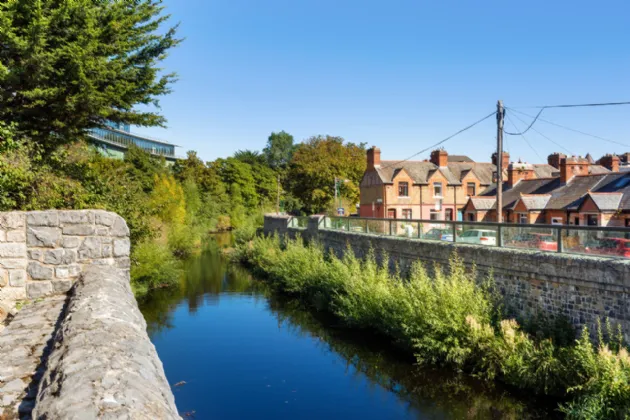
column 70, row 65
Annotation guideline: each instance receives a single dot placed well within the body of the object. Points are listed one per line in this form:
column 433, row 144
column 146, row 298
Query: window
column 403, row 189
column 435, row 215
column 471, row 189
column 627, row 222
column 556, row 220
column 522, row 218
column 437, row 189
column 592, row 220
column 449, row 214
column 391, row 213
column 576, row 222
column 406, row 213
column 472, row 217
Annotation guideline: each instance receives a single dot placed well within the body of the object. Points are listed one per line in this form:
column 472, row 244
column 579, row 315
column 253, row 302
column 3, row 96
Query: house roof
column 597, row 169
column 567, row 196
column 606, row 201
column 483, row 203
column 535, row 201
column 459, row 158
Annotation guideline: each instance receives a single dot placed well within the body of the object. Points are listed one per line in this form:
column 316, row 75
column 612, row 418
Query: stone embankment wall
column 79, row 347
column 581, row 288
column 102, row 363
column 43, row 252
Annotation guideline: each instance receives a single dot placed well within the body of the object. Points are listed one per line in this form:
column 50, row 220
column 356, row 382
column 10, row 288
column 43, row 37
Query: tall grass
column 449, row 318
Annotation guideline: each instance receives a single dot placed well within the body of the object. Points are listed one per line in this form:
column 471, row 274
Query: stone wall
column 102, row 363
column 582, row 288
column 43, row 252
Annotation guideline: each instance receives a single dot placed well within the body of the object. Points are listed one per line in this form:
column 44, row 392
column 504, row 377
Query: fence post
column 454, row 225
column 559, row 230
column 419, row 230
column 367, row 230
column 390, row 228
column 348, row 225
column 500, row 236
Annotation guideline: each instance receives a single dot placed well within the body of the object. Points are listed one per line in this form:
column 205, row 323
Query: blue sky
column 401, row 75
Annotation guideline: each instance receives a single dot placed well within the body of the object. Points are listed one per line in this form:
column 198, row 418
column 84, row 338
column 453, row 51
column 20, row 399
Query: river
column 238, row 351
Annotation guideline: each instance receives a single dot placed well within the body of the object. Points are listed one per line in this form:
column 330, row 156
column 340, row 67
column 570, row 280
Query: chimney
column 572, row 166
column 439, row 157
column 519, row 171
column 373, row 157
column 555, row 159
column 506, row 160
column 610, row 162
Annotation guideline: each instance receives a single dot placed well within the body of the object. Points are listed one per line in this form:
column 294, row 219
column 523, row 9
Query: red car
column 611, row 246
column 544, row 242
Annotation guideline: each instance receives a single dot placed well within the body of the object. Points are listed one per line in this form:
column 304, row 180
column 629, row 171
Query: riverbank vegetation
column 448, row 318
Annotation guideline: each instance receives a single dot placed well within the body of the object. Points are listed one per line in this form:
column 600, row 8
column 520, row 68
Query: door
column 449, row 214
column 391, row 213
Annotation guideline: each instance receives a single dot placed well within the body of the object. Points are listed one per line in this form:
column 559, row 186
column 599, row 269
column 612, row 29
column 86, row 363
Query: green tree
column 315, row 165
column 250, row 156
column 69, row 65
column 279, row 149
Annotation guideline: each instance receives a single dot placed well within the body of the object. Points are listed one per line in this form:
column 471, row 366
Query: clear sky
column 401, row 75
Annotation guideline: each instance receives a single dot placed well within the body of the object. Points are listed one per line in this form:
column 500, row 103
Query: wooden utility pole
column 278, row 199
column 500, row 161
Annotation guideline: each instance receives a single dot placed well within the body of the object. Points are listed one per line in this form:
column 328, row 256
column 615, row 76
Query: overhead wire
column 441, row 141
column 542, row 135
column 524, row 138
column 571, row 129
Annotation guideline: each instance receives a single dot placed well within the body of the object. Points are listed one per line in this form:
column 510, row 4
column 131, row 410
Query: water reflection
column 232, row 339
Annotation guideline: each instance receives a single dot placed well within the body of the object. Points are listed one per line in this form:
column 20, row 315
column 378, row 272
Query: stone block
column 38, row 271
column 37, row 289
column 122, row 247
column 80, row 230
column 35, row 254
column 75, row 217
column 12, row 220
column 67, row 271
column 13, row 262
column 123, row 262
column 102, row 231
column 91, row 248
column 61, row 286
column 103, row 218
column 17, row 278
column 60, row 256
column 3, row 236
column 16, row 235
column 71, row 241
column 107, row 250
column 42, row 218
column 119, row 228
column 47, row 237
column 12, row 250
column 4, row 277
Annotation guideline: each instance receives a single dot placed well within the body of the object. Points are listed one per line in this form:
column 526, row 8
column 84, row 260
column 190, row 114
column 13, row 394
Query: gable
column 520, row 206
column 402, row 176
column 588, row 205
column 437, row 176
column 370, row 179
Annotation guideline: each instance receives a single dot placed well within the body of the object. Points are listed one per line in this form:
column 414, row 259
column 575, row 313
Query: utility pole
column 278, row 199
column 336, row 186
column 500, row 161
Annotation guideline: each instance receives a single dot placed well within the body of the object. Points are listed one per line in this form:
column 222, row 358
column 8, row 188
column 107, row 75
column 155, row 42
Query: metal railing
column 125, row 140
column 589, row 240
column 298, row 222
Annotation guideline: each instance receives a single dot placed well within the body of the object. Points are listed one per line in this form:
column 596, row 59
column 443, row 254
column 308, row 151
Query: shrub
column 153, row 266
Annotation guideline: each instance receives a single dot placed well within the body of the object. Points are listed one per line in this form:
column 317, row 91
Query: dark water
column 246, row 353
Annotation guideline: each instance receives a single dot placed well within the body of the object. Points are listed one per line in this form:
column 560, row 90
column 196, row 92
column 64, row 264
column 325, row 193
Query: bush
column 153, row 266
column 448, row 318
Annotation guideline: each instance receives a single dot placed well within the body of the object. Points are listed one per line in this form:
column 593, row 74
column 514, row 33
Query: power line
column 572, row 129
column 442, row 141
column 542, row 135
column 576, row 105
column 524, row 138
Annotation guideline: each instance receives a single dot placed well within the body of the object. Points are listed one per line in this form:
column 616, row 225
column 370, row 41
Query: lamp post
column 337, row 193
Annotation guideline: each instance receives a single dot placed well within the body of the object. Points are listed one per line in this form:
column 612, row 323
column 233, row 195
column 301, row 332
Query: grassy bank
column 451, row 320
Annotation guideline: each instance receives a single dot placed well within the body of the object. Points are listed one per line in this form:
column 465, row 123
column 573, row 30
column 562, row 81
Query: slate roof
column 606, row 201
column 535, row 201
column 483, row 203
column 597, row 169
column 566, row 196
column 459, row 158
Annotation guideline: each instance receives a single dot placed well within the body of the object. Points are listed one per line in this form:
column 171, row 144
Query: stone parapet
column 42, row 253
column 102, row 363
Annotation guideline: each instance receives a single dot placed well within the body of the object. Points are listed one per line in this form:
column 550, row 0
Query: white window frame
column 435, row 213
column 521, row 217
column 435, row 194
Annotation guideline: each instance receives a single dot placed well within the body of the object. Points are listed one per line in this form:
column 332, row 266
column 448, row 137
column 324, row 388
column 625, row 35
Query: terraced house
column 579, row 193
column 437, row 189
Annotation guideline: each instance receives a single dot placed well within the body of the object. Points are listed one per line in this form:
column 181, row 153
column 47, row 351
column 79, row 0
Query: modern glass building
column 115, row 139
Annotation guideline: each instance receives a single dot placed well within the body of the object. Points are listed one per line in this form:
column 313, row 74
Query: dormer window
column 403, row 189
column 437, row 189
